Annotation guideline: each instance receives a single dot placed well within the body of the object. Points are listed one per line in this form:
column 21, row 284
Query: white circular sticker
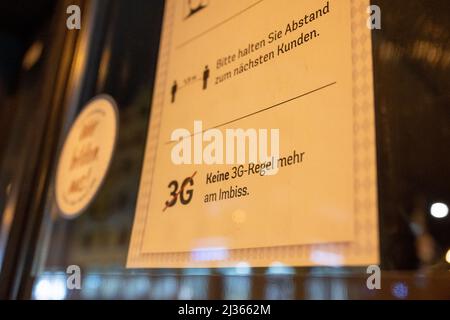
column 86, row 155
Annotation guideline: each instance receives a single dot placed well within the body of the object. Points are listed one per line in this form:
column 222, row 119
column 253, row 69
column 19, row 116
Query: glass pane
column 411, row 64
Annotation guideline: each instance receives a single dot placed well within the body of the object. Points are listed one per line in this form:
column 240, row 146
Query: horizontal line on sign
column 259, row 111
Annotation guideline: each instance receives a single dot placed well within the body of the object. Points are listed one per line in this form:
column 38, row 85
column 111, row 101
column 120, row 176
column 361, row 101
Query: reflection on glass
column 315, row 289
column 165, row 287
column 237, row 288
column 280, row 282
column 439, row 210
column 338, row 290
column 50, row 287
column 400, row 290
column 91, row 287
column 210, row 254
column 324, row 258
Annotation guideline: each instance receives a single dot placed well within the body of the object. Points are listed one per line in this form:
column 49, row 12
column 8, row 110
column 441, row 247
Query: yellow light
column 32, row 55
column 447, row 256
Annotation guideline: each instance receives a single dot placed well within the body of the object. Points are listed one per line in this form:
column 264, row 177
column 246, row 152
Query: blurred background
column 47, row 73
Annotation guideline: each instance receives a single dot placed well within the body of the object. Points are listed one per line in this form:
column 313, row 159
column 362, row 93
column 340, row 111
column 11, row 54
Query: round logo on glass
column 86, row 156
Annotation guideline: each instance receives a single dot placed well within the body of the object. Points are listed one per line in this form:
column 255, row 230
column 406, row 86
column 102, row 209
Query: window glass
column 411, row 63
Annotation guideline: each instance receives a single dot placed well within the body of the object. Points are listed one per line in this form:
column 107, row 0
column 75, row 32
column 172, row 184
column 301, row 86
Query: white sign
column 86, row 156
column 236, row 80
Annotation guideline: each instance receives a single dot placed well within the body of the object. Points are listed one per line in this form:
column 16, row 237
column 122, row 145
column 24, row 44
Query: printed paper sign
column 251, row 145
